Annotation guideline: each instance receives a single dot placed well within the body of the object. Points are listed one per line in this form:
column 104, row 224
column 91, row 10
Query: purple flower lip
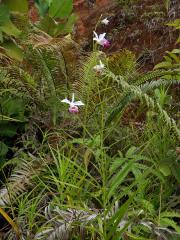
column 74, row 109
column 73, row 104
column 106, row 43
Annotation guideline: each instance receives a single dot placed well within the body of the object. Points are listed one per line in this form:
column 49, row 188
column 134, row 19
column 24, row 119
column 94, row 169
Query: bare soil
column 140, row 27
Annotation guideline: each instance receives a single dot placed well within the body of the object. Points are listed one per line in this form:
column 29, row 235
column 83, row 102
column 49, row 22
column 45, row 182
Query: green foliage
column 3, row 152
column 13, row 50
column 6, row 25
column 165, row 156
column 126, row 2
column 167, row 4
column 17, row 5
column 12, row 120
column 137, row 92
column 122, row 63
column 54, row 11
column 171, row 61
column 60, row 9
column 42, row 6
column 109, row 172
column 57, row 18
column 176, row 25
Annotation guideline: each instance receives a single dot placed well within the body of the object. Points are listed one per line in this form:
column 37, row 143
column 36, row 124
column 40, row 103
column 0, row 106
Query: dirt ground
column 140, row 27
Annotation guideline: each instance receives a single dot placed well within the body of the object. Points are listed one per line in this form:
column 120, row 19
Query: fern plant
column 135, row 91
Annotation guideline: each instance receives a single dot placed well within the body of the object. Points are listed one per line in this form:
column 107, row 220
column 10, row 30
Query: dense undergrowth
column 111, row 171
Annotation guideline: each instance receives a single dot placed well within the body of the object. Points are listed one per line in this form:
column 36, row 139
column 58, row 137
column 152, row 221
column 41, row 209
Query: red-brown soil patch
column 139, row 27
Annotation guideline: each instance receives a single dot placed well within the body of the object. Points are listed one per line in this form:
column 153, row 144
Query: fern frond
column 21, row 177
column 26, row 84
column 171, row 214
column 4, row 79
column 167, row 222
column 61, row 222
column 60, row 56
column 123, row 63
column 86, row 82
column 136, row 92
column 148, row 86
column 154, row 75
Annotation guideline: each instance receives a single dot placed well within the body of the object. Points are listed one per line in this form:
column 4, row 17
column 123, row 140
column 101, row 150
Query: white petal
column 78, row 103
column 98, row 41
column 96, row 36
column 101, row 64
column 98, row 68
column 66, row 101
column 95, row 39
column 101, row 36
column 105, row 21
column 72, row 97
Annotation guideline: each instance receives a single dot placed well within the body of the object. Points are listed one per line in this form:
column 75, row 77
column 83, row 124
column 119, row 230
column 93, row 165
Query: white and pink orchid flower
column 99, row 68
column 73, row 105
column 101, row 40
column 105, row 21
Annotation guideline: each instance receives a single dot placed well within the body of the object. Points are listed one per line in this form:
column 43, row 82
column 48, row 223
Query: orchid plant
column 105, row 21
column 73, row 105
column 99, row 68
column 101, row 40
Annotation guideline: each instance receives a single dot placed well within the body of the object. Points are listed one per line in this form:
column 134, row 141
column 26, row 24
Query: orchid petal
column 105, row 21
column 78, row 103
column 101, row 64
column 72, row 97
column 66, row 101
column 96, row 36
column 101, row 36
column 96, row 67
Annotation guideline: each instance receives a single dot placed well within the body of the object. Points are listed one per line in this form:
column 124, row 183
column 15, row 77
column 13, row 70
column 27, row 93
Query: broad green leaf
column 165, row 169
column 3, row 149
column 13, row 107
column 176, row 51
column 10, row 29
column 49, row 2
column 17, row 5
column 119, row 177
column 8, row 129
column 117, row 217
column 70, row 23
column 42, row 6
column 8, row 119
column 13, row 51
column 60, row 8
column 175, row 168
column 163, row 65
column 4, row 14
column 48, row 25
